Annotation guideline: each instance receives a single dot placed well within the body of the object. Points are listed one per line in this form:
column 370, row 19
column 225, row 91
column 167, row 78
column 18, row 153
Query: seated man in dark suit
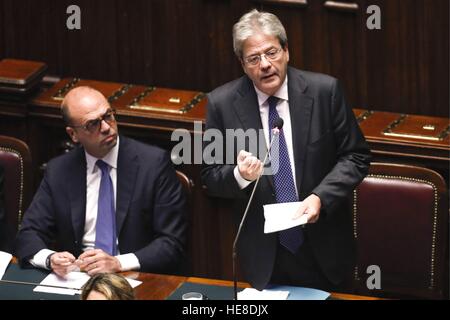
column 113, row 204
column 4, row 241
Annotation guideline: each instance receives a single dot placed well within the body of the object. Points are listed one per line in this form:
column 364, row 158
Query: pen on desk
column 37, row 284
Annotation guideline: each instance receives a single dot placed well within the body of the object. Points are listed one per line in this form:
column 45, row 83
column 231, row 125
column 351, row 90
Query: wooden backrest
column 15, row 158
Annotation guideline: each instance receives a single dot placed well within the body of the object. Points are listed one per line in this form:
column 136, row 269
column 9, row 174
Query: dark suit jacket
column 4, row 239
column 150, row 208
column 331, row 158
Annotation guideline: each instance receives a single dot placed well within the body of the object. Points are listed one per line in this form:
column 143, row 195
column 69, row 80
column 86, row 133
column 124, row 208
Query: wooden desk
column 159, row 287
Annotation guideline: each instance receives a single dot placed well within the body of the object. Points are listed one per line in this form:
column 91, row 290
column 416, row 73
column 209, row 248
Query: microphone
column 277, row 126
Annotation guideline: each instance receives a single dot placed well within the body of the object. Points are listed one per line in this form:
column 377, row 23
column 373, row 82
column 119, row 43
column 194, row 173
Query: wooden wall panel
column 187, row 44
column 2, row 23
column 407, row 61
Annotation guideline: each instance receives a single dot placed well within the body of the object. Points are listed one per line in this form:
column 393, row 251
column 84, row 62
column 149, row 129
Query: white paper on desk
column 133, row 283
column 73, row 281
column 5, row 259
column 279, row 216
column 253, row 294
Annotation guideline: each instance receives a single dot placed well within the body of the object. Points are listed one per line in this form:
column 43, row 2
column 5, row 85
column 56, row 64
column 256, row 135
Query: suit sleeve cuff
column 243, row 183
column 40, row 258
column 128, row 262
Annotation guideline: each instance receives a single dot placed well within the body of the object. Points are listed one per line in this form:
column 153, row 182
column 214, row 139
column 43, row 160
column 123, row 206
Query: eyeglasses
column 94, row 125
column 270, row 55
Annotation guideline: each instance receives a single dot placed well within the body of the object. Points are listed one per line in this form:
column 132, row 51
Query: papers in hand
column 253, row 294
column 70, row 284
column 280, row 216
column 5, row 259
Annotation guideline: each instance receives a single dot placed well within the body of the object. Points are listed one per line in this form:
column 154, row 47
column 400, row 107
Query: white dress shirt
column 128, row 261
column 284, row 113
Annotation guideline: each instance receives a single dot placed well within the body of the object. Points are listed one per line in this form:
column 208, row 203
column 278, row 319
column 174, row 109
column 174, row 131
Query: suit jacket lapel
column 246, row 106
column 77, row 194
column 127, row 168
column 300, row 108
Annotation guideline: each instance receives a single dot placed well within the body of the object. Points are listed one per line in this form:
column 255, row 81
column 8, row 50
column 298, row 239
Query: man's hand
column 311, row 207
column 97, row 261
column 249, row 166
column 62, row 263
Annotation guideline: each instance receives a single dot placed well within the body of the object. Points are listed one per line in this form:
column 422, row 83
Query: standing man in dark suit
column 112, row 205
column 322, row 152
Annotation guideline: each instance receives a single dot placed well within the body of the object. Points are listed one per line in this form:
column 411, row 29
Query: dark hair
column 65, row 113
column 112, row 286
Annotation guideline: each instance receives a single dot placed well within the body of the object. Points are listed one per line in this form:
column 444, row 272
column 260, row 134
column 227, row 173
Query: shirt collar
column 281, row 93
column 110, row 158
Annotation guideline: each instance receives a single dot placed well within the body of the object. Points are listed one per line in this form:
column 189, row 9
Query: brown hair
column 112, row 286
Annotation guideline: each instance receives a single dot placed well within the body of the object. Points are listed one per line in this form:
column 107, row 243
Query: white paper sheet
column 5, row 259
column 71, row 284
column 72, row 281
column 133, row 283
column 253, row 294
column 280, row 216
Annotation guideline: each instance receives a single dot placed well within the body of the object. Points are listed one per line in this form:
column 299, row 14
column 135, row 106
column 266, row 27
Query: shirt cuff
column 243, row 183
column 40, row 258
column 128, row 262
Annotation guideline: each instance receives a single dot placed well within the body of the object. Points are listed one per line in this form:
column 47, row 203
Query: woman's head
column 107, row 286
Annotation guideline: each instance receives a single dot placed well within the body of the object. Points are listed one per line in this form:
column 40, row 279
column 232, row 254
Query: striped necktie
column 283, row 180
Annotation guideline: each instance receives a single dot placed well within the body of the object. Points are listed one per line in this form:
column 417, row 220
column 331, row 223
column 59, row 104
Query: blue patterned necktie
column 105, row 228
column 283, row 180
